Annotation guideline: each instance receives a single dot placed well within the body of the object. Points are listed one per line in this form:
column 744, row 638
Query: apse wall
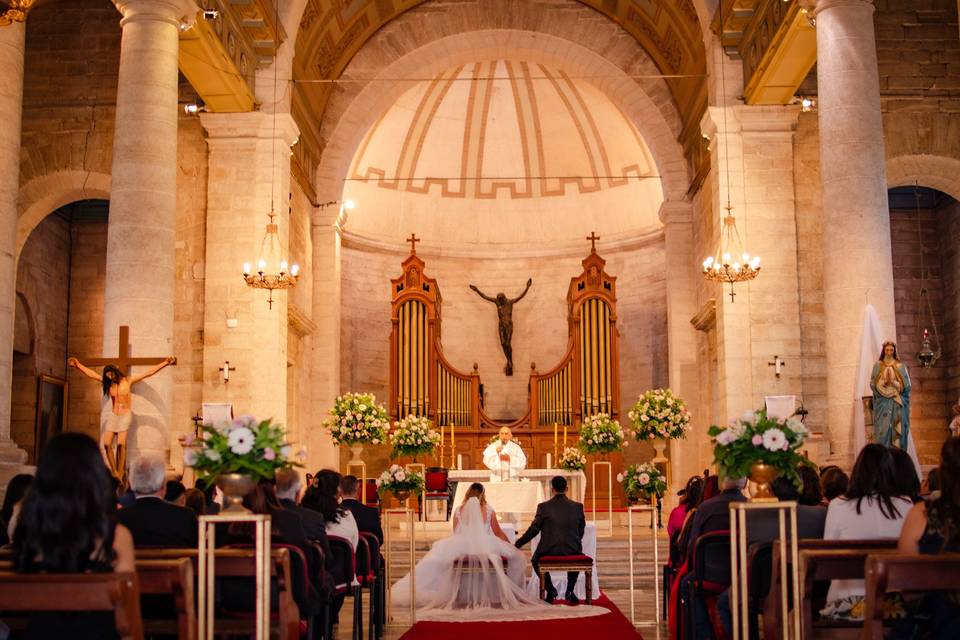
column 540, row 319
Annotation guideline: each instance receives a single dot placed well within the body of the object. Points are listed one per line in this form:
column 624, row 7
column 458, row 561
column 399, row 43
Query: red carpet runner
column 613, row 626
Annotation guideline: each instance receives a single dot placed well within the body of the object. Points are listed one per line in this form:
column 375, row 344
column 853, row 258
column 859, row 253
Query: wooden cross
column 777, row 365
column 225, row 370
column 593, row 237
column 124, row 360
column 413, row 240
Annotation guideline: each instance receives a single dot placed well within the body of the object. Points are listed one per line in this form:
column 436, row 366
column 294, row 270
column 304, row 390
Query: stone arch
column 352, row 111
column 937, row 172
column 44, row 194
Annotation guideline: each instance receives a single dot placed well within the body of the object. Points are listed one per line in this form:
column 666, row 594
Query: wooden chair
column 345, row 573
column 170, row 577
column 561, row 564
column 904, row 572
column 116, row 592
column 820, row 560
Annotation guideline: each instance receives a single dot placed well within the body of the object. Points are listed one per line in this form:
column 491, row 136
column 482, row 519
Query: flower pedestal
column 408, row 520
column 355, row 450
column 593, row 483
column 644, row 508
column 762, row 475
column 359, row 464
column 659, row 445
column 418, row 467
column 234, row 486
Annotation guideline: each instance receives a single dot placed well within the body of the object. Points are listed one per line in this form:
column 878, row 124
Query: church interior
column 486, row 213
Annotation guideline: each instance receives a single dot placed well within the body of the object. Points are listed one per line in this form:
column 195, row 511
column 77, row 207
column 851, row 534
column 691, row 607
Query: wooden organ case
column 585, row 381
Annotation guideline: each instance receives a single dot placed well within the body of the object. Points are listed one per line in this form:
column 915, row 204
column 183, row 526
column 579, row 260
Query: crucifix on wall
column 124, row 359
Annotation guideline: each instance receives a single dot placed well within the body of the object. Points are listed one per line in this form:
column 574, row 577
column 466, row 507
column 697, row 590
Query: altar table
column 576, row 480
column 508, row 499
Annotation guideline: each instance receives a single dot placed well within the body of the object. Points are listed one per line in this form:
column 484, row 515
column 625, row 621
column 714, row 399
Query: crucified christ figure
column 505, row 317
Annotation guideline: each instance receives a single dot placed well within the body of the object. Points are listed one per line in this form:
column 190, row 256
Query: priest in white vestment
column 504, row 457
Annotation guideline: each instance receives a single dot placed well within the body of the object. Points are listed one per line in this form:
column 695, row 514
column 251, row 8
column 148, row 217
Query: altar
column 576, row 481
column 514, row 502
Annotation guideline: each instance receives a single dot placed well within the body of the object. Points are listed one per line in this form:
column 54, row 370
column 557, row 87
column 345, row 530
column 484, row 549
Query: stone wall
column 42, row 282
column 948, row 220
column 470, row 324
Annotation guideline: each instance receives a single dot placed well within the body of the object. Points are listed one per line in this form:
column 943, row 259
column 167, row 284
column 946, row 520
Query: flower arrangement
column 396, row 480
column 756, row 438
column 659, row 413
column 413, row 436
column 356, row 418
column 572, row 459
column 601, row 434
column 242, row 445
column 643, row 480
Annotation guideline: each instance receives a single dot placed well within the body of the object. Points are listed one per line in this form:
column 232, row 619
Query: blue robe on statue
column 891, row 403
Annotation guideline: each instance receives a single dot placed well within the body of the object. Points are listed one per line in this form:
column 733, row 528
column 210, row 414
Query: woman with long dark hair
column 324, row 497
column 691, row 498
column 68, row 524
column 872, row 508
column 16, row 490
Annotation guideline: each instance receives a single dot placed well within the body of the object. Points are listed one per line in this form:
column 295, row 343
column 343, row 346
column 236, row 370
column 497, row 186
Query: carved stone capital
column 180, row 13
column 817, row 7
column 16, row 13
column 250, row 126
column 675, row 212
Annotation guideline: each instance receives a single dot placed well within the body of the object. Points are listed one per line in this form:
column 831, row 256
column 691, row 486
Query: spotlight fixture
column 211, row 14
column 806, row 104
column 194, row 108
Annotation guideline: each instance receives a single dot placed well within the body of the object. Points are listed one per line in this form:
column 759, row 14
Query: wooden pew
column 820, row 560
column 116, row 592
column 240, row 563
column 904, row 572
column 170, row 577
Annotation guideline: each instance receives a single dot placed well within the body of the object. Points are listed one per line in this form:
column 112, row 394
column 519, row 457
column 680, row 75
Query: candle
column 441, row 438
column 554, row 436
column 459, row 462
column 564, row 435
column 549, row 461
column 453, row 441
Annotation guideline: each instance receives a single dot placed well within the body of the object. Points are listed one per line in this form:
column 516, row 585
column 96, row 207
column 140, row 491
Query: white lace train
column 474, row 575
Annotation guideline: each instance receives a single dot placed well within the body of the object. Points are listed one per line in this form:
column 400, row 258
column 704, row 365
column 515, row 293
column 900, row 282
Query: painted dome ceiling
column 502, row 153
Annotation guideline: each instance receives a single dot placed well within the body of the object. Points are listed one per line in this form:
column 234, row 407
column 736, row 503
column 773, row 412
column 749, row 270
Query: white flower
column 726, row 437
column 749, row 417
column 795, row 425
column 644, row 478
column 774, row 439
column 400, row 476
column 240, row 441
column 189, row 457
column 619, row 477
column 212, row 454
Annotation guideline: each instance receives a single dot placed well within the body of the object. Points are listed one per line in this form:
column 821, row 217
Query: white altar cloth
column 508, row 499
column 576, row 480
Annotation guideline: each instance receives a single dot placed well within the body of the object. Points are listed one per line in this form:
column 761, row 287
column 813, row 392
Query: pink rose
column 269, row 454
column 757, row 440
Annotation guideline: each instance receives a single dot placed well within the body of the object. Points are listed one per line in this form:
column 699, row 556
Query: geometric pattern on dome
column 502, row 128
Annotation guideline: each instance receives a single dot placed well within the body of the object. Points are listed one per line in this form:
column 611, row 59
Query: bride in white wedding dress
column 476, row 574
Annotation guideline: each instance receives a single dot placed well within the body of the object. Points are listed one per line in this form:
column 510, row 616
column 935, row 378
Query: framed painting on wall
column 51, row 410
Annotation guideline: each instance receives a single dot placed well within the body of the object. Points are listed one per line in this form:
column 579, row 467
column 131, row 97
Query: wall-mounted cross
column 777, row 365
column 413, row 240
column 124, row 360
column 226, row 369
column 593, row 237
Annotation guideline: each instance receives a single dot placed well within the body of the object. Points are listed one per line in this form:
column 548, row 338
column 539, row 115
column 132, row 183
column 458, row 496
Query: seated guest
column 326, row 499
column 68, row 524
column 931, row 528
column 872, row 508
column 196, row 501
column 368, row 518
column 811, row 495
column 153, row 521
column 210, row 491
column 560, row 523
column 931, row 484
column 176, row 493
column 833, row 482
column 714, row 514
column 689, row 500
column 16, row 490
column 764, row 526
column 314, row 526
column 908, row 482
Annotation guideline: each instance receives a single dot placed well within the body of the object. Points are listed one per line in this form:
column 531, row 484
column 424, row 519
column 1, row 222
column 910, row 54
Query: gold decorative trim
column 16, row 13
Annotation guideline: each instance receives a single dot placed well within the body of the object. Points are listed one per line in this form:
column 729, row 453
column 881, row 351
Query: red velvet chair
column 437, row 493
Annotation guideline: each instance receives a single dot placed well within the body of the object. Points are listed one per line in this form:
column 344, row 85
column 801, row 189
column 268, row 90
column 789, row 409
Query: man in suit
column 153, row 521
column 314, row 526
column 368, row 518
column 560, row 523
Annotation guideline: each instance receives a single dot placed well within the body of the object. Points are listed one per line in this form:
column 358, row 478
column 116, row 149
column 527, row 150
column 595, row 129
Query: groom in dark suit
column 560, row 523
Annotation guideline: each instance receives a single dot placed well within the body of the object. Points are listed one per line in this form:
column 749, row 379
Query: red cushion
column 564, row 559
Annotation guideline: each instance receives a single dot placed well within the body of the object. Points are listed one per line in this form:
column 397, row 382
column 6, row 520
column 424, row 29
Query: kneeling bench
column 559, row 564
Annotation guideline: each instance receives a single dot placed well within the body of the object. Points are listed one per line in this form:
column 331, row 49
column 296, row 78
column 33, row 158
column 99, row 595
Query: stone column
column 327, row 222
column 858, row 265
column 140, row 233
column 249, row 161
column 686, row 458
column 11, row 102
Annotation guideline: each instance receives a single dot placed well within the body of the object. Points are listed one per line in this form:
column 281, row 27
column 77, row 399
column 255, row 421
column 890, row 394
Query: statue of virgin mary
column 891, row 399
